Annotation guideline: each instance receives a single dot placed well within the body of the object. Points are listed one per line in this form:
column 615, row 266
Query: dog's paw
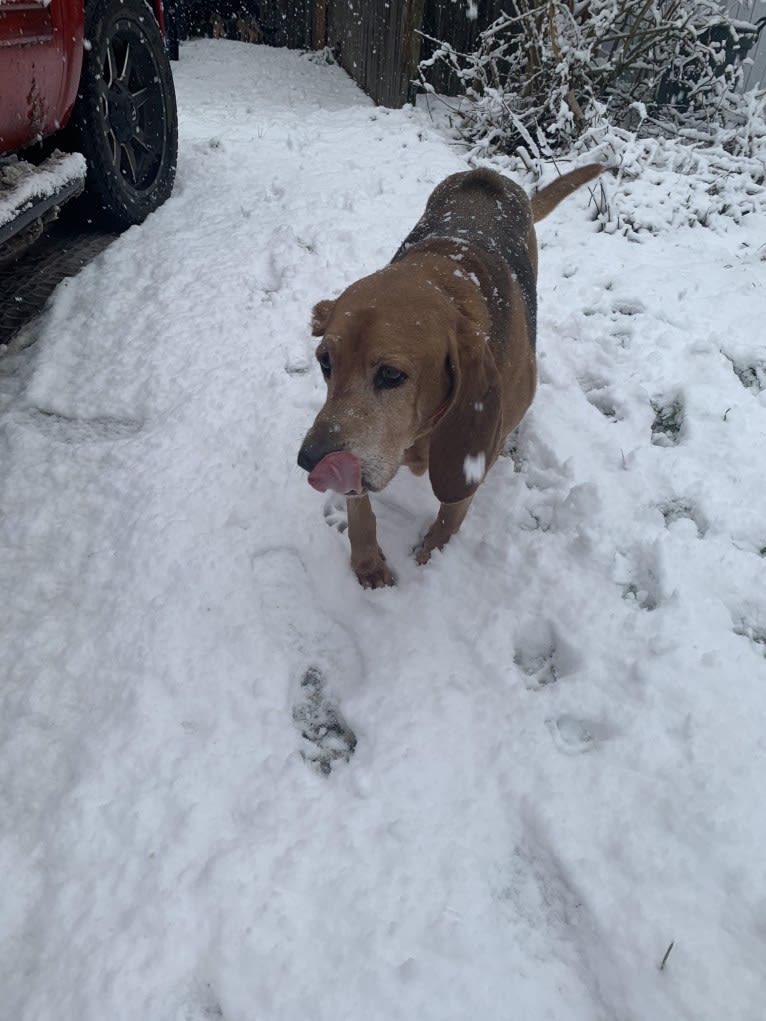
column 422, row 553
column 435, row 538
column 374, row 573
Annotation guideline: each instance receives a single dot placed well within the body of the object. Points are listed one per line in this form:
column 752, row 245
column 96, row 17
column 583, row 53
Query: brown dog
column 430, row 362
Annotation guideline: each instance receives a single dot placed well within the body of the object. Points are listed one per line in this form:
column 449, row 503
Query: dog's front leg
column 448, row 521
column 367, row 560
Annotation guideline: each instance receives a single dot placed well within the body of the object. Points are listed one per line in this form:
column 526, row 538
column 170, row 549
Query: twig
column 664, row 960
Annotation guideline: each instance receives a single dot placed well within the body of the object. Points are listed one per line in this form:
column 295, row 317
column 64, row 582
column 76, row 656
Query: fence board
column 376, row 42
column 286, row 22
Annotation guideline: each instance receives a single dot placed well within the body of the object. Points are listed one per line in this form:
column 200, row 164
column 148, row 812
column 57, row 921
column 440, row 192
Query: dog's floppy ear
column 320, row 317
column 464, row 440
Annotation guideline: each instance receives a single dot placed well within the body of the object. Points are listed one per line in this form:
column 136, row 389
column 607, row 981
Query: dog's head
column 401, row 361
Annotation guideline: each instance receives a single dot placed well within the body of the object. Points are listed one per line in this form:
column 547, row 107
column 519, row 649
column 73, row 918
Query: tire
column 125, row 120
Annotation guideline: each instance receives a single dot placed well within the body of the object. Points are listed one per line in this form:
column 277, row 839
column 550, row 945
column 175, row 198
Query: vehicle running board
column 32, row 194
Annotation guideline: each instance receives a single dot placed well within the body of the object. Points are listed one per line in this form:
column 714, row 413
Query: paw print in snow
column 668, row 421
column 321, row 724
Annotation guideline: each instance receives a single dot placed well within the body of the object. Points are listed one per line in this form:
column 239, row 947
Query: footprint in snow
column 543, row 656
column 752, row 375
column 628, row 307
column 679, row 509
column 669, row 415
column 298, row 630
column 328, row 737
column 570, row 735
column 617, row 307
column 539, row 667
column 76, row 429
column 619, row 313
column 756, row 635
column 297, row 366
column 203, row 1004
column 639, row 572
column 517, row 447
column 599, row 394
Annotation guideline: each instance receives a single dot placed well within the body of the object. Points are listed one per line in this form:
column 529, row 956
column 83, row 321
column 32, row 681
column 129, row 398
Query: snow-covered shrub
column 646, row 86
column 663, row 182
column 657, row 184
column 545, row 72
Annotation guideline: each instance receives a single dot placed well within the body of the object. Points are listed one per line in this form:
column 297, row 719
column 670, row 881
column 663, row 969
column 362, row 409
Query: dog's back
column 477, row 207
column 481, row 209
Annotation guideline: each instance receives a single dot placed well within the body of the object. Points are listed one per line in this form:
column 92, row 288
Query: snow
column 530, row 766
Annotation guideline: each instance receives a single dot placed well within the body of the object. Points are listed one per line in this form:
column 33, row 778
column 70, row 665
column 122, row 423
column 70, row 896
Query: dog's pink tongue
column 340, row 471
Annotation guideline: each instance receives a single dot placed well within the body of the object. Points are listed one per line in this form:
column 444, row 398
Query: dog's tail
column 549, row 197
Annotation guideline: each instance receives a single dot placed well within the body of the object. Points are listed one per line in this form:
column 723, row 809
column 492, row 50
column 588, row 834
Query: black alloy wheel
column 125, row 119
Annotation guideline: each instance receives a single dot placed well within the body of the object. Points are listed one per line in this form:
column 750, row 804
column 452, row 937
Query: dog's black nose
column 307, row 459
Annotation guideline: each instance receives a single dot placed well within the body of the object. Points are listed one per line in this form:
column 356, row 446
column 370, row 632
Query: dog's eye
column 324, row 363
column 387, row 377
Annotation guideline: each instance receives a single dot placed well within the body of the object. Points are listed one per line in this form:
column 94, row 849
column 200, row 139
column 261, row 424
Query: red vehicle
column 88, row 77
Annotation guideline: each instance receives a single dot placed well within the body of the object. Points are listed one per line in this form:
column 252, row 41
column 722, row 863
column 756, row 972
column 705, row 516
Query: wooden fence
column 378, row 42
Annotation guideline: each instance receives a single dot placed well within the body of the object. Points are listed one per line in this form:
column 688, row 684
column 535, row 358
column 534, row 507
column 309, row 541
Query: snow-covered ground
column 532, row 766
